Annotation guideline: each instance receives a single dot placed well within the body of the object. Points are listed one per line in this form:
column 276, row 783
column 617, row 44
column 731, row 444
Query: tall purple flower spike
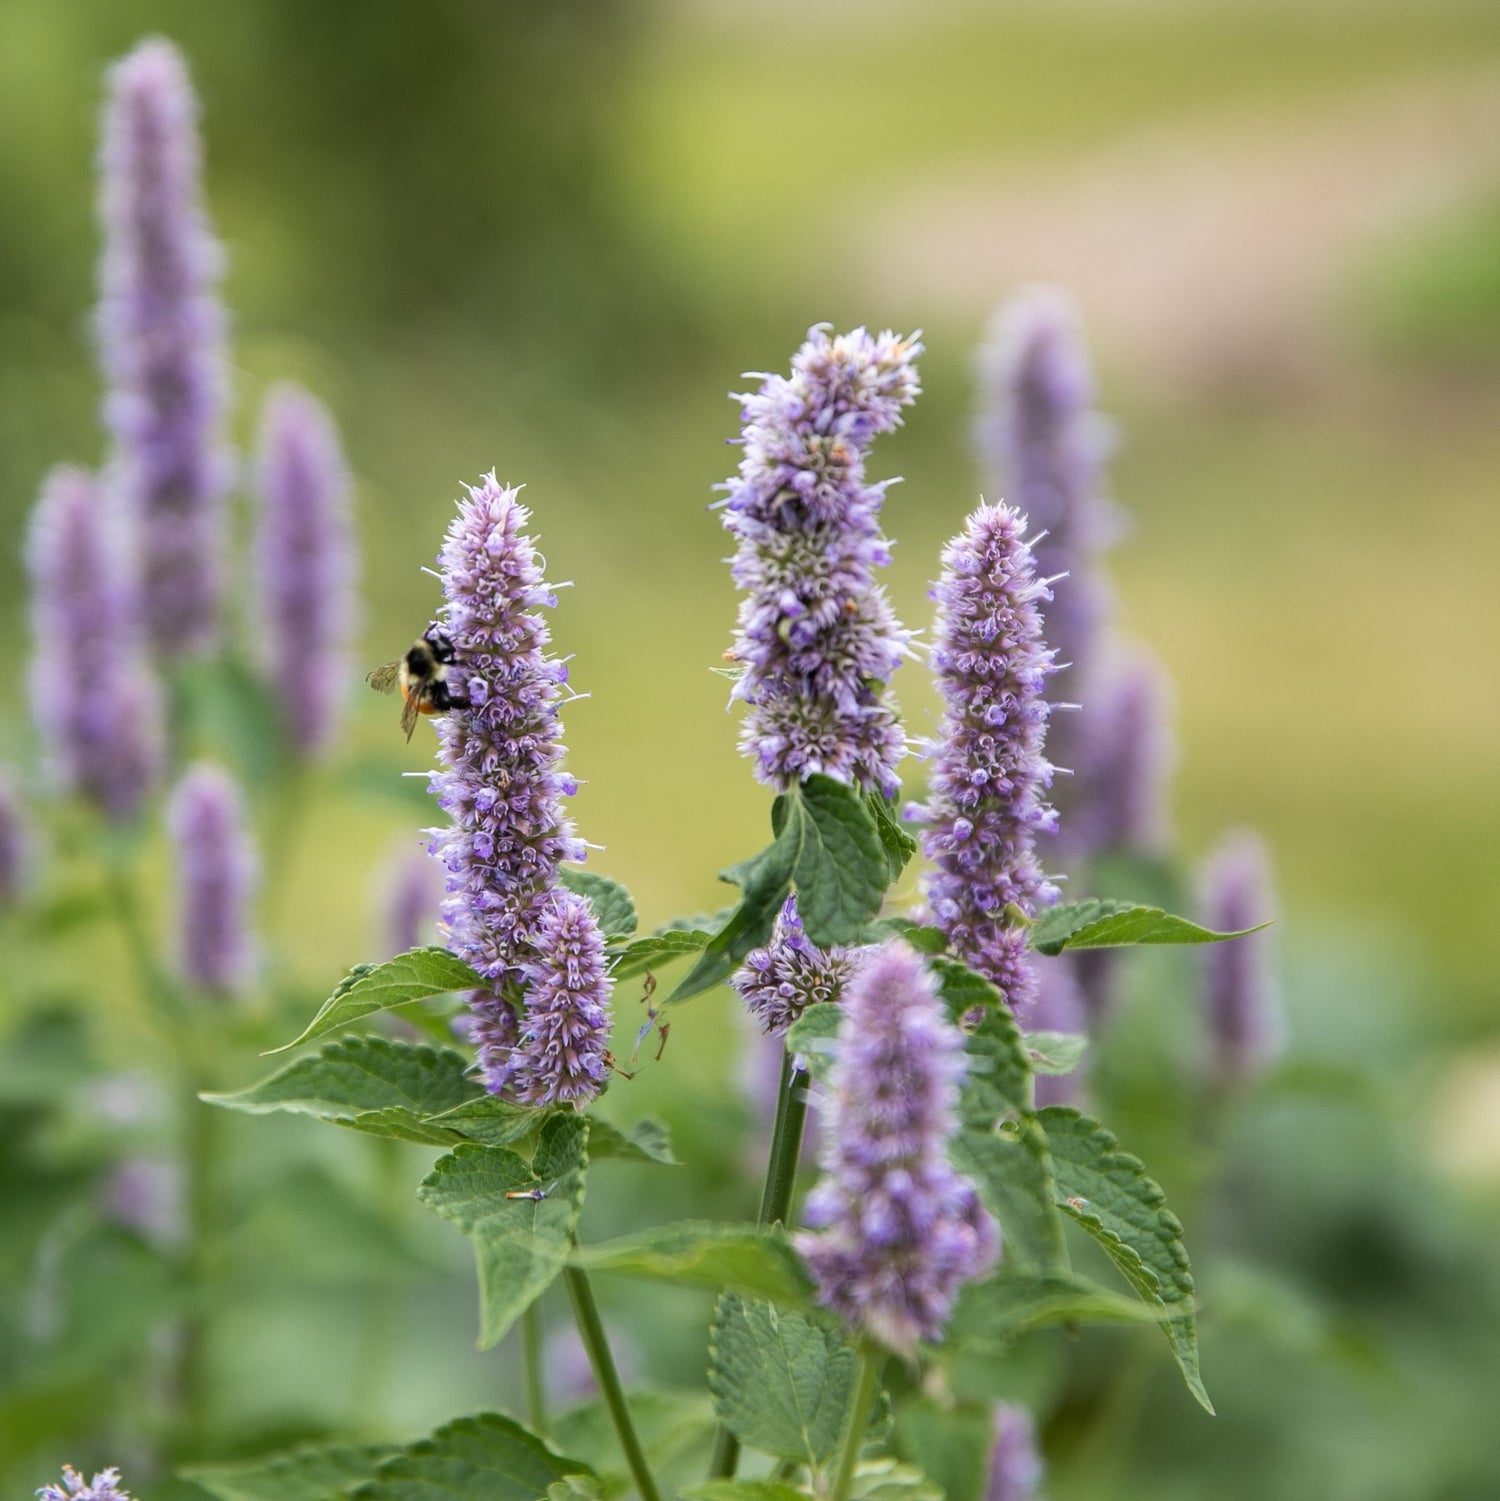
column 95, row 698
column 15, row 845
column 780, row 981
column 306, row 564
column 503, row 788
column 216, row 878
column 105, row 1486
column 161, row 339
column 817, row 641
column 985, row 795
column 1044, row 448
column 1246, row 1025
column 895, row 1231
column 1016, row 1464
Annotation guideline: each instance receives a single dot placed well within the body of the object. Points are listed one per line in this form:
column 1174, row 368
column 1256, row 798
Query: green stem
column 775, row 1201
column 536, row 1390
column 870, row 1362
column 591, row 1330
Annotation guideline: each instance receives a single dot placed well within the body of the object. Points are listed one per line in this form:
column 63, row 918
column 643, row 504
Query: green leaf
column 372, row 1084
column 520, row 1245
column 998, row 1082
column 750, row 1259
column 949, row 1443
column 924, row 939
column 413, row 976
column 743, row 1490
column 992, row 1313
column 314, row 1473
column 842, row 869
column 814, row 1037
column 1108, row 1193
column 486, row 1456
column 1055, row 1053
column 1099, row 924
column 491, row 1122
column 781, row 1381
column 642, row 955
column 899, row 846
column 1012, row 1170
column 674, row 1427
column 614, row 910
column 887, row 1480
column 645, row 1141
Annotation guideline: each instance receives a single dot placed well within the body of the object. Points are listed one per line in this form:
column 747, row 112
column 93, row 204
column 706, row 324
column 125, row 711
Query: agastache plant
column 989, row 777
column 779, row 981
column 817, row 640
column 161, row 341
column 216, row 875
column 306, row 564
column 95, row 698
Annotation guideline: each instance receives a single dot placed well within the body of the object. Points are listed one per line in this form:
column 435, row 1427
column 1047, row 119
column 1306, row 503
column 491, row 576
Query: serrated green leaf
column 412, row 976
column 748, row 1258
column 1012, row 1170
column 520, row 1245
column 1107, row 1192
column 642, row 955
column 899, row 846
column 998, row 1080
column 312, row 1473
column 486, row 1456
column 949, row 1443
column 781, row 1381
column 813, row 1037
column 1055, row 1053
column 1101, row 924
column 372, row 1084
column 645, row 1141
column 612, row 904
column 993, row 1312
column 841, row 869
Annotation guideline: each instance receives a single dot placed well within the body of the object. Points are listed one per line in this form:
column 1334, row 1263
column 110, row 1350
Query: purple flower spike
column 96, row 700
column 817, row 641
column 1016, row 1466
column 105, row 1486
column 216, row 876
column 1044, row 447
column 896, row 1231
column 494, row 1030
column 307, row 565
column 1246, row 1026
column 412, row 892
column 15, row 845
column 563, row 1053
column 780, row 981
column 161, row 339
column 501, row 784
column 985, row 803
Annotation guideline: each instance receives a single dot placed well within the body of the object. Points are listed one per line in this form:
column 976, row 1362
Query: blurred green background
column 548, row 237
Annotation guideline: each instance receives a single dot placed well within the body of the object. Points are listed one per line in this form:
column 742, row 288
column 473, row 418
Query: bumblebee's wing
column 383, row 679
column 410, row 712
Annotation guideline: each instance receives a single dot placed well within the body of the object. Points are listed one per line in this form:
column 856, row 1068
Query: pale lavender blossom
column 161, row 340
column 895, row 1231
column 1016, row 1465
column 306, row 564
column 105, row 1486
column 95, row 699
column 411, row 892
column 1044, row 448
column 15, row 845
column 503, row 789
column 817, row 640
column 145, row 1194
column 216, row 871
column 780, row 981
column 1246, row 1025
column 985, row 800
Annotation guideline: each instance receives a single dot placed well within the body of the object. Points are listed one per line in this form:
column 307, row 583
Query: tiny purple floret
column 817, row 641
column 780, row 981
column 105, row 1486
column 895, row 1231
column 216, row 879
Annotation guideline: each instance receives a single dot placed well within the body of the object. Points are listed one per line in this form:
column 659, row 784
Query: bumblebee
column 422, row 676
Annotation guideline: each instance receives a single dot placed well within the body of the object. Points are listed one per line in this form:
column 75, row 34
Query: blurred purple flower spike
column 15, row 845
column 306, row 564
column 1016, row 1465
column 161, row 339
column 817, row 641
